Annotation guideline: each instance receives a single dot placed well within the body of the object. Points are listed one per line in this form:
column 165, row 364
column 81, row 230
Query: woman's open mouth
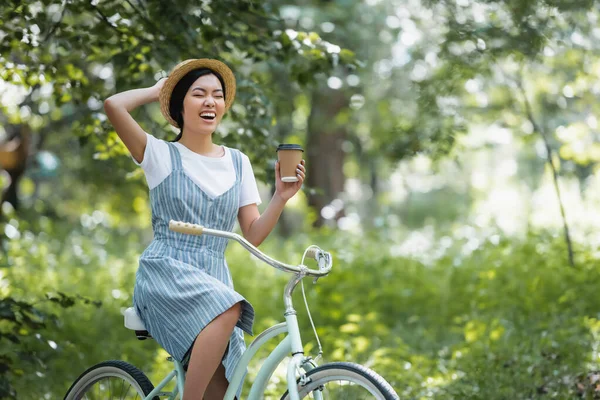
column 208, row 116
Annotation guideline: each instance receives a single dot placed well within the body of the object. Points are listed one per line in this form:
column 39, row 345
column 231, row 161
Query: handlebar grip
column 184, row 227
column 312, row 252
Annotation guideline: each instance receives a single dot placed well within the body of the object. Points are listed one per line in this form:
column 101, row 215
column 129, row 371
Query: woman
column 183, row 290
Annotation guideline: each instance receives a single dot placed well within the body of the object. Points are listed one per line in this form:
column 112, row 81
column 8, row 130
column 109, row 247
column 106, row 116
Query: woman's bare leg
column 208, row 351
column 217, row 386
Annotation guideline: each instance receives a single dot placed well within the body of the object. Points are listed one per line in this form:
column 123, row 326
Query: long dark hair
column 178, row 94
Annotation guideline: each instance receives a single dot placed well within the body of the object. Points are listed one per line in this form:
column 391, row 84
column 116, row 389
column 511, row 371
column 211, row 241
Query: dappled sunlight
column 417, row 245
column 501, row 208
column 502, row 201
column 427, row 127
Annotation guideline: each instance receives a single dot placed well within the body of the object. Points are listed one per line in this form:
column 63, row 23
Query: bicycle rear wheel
column 347, row 381
column 111, row 380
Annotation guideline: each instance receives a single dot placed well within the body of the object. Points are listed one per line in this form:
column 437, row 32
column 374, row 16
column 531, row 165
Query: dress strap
column 236, row 156
column 175, row 157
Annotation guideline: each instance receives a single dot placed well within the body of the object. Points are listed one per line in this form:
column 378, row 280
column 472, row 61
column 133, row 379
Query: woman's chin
column 206, row 130
column 203, row 127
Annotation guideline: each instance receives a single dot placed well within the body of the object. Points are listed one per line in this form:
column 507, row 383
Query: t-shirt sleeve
column 156, row 162
column 249, row 192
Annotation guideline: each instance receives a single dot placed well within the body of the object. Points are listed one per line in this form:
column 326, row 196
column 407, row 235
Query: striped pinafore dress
column 183, row 281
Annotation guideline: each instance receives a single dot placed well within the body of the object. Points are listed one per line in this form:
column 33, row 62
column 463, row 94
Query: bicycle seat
column 135, row 323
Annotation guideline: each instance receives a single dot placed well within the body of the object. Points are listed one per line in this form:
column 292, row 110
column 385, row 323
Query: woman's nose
column 209, row 100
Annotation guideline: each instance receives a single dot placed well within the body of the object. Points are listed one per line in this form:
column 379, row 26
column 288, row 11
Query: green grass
column 510, row 320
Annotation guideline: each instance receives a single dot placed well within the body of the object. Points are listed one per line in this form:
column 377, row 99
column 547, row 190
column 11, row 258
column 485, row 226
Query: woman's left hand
column 287, row 190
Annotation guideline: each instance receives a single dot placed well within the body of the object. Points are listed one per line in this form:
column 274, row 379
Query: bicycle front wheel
column 111, row 380
column 347, row 381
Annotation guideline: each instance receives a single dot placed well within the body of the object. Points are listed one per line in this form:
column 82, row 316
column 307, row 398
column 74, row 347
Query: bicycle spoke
column 127, row 392
column 121, row 391
column 106, row 389
column 110, row 380
column 122, row 388
column 340, row 389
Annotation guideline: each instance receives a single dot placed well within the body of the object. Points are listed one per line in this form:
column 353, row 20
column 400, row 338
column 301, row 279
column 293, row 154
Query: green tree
column 519, row 65
column 58, row 61
column 411, row 96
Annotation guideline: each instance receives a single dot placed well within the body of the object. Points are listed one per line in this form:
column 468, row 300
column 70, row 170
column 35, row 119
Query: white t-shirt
column 214, row 176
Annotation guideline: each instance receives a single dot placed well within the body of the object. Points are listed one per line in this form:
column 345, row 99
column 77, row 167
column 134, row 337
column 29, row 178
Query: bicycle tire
column 119, row 370
column 375, row 385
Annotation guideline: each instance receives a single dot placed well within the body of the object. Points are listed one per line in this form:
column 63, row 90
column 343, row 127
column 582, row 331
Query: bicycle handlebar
column 322, row 257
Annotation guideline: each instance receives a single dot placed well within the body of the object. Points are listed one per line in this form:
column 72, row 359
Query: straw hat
column 186, row 66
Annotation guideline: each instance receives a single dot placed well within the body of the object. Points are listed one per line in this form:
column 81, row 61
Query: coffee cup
column 289, row 156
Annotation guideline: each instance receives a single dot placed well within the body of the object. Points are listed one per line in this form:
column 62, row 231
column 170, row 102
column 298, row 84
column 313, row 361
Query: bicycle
column 336, row 380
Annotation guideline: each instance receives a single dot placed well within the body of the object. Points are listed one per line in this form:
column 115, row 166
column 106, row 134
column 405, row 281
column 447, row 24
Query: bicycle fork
column 299, row 362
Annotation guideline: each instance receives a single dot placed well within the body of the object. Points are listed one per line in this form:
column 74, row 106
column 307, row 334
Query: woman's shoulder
column 245, row 160
column 157, row 141
column 157, row 160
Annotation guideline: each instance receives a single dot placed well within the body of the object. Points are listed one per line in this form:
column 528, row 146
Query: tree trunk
column 540, row 129
column 324, row 155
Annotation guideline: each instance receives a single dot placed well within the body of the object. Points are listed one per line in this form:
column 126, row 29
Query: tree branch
column 538, row 128
column 106, row 20
column 57, row 24
column 141, row 3
column 143, row 17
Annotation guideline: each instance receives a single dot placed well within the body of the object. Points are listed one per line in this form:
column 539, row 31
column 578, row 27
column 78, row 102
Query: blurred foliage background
column 452, row 153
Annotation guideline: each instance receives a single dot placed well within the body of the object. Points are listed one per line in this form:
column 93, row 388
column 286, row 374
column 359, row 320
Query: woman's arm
column 118, row 107
column 256, row 227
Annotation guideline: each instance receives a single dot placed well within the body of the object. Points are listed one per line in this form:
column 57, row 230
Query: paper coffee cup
column 289, row 156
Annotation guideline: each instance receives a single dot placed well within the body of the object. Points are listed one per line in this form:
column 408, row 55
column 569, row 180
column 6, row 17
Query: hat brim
column 186, row 66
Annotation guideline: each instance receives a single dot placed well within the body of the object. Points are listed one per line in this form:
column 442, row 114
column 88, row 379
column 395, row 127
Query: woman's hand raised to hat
column 157, row 87
column 287, row 190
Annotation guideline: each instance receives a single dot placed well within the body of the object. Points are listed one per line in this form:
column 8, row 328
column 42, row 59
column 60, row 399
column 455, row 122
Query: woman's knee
column 233, row 314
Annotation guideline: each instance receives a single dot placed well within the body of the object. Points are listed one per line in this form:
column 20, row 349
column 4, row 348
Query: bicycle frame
column 266, row 371
column 291, row 344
